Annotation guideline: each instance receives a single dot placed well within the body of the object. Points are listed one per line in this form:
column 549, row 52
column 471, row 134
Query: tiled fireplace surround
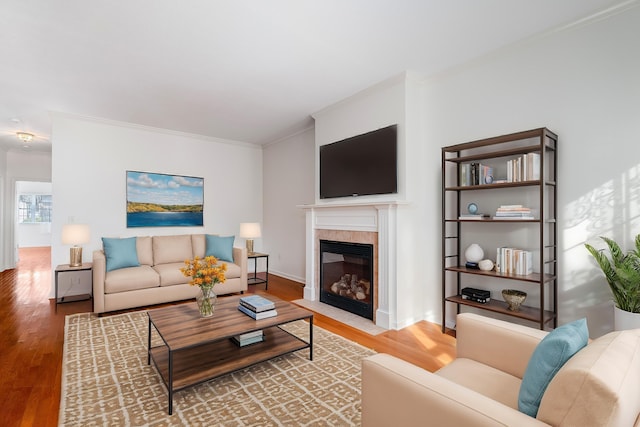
column 373, row 223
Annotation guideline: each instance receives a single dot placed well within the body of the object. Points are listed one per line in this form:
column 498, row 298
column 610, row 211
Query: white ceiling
column 245, row 70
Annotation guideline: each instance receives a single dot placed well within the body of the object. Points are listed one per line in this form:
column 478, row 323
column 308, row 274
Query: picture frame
column 164, row 200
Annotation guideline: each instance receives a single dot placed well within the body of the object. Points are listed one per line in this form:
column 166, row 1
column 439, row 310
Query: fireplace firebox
column 346, row 276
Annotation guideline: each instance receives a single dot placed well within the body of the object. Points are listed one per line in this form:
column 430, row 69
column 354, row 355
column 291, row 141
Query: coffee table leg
column 311, row 338
column 170, row 382
column 149, row 344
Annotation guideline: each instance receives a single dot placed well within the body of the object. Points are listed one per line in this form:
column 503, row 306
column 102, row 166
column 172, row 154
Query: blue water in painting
column 164, row 219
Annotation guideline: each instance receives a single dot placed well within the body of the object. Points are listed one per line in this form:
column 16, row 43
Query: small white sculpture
column 485, row 265
column 474, row 253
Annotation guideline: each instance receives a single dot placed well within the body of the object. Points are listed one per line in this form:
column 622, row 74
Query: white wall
column 583, row 84
column 288, row 183
column 90, row 160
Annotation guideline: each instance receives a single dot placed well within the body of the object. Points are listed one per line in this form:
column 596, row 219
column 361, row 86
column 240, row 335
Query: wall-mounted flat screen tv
column 362, row 165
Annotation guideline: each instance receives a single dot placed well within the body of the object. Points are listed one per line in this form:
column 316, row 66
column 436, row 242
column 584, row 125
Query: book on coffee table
column 257, row 315
column 257, row 303
column 248, row 338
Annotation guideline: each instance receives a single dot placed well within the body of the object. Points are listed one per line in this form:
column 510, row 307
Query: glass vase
column 206, row 300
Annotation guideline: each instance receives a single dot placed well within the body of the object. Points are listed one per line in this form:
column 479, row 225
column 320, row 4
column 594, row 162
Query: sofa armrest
column 240, row 258
column 395, row 392
column 502, row 345
column 99, row 270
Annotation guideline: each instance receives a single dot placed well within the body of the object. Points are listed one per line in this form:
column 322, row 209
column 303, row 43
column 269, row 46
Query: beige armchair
column 598, row 386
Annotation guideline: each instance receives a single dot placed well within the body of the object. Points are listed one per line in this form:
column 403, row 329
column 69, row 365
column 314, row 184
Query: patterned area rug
column 106, row 381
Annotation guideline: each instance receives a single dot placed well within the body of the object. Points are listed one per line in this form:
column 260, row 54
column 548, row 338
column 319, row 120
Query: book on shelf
column 475, row 173
column 257, row 315
column 257, row 303
column 249, row 338
column 524, row 168
column 507, row 218
column 473, row 216
column 514, row 261
column 514, row 212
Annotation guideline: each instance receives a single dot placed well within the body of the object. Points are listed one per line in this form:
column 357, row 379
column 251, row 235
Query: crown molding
column 146, row 128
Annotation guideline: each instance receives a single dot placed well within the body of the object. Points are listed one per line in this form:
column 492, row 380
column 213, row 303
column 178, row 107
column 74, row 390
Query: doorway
column 33, row 209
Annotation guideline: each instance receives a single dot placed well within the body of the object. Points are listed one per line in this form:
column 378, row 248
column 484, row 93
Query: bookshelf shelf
column 525, row 163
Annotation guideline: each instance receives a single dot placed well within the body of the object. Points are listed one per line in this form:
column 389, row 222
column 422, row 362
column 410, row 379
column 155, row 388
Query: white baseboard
column 287, row 276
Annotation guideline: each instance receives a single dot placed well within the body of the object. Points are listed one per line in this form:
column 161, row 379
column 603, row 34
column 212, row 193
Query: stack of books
column 249, row 338
column 513, row 212
column 257, row 307
column 514, row 261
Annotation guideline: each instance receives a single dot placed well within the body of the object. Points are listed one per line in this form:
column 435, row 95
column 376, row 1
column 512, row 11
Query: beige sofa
column 158, row 278
column 598, row 386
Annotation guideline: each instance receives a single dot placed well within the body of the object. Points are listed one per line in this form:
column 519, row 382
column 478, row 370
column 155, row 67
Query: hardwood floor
column 32, row 336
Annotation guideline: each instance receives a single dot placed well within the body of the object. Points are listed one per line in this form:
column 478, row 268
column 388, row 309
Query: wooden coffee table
column 196, row 349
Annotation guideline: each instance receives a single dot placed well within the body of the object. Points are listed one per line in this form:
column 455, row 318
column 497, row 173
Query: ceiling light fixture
column 24, row 136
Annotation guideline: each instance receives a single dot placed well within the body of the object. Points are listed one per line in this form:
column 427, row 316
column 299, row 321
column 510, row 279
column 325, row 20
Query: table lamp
column 75, row 234
column 250, row 230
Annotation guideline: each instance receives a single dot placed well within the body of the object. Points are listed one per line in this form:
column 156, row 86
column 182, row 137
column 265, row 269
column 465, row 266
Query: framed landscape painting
column 160, row 200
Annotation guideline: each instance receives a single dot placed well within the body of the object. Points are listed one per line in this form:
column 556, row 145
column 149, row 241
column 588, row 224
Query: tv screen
column 362, row 165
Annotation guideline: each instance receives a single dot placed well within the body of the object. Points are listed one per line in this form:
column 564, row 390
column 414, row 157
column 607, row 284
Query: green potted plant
column 622, row 271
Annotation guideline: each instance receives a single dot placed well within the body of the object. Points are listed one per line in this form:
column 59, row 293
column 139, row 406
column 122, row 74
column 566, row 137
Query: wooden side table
column 255, row 280
column 67, row 269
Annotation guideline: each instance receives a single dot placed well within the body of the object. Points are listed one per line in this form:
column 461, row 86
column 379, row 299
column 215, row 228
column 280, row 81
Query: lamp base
column 250, row 246
column 75, row 256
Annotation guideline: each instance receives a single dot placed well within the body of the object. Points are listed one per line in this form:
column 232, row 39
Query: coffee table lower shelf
column 205, row 362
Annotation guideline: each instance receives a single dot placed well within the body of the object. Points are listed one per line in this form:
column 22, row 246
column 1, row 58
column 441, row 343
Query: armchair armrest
column 502, row 345
column 99, row 270
column 395, row 392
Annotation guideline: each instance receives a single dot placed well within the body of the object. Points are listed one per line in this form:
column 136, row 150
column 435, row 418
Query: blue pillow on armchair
column 550, row 354
column 220, row 247
column 120, row 253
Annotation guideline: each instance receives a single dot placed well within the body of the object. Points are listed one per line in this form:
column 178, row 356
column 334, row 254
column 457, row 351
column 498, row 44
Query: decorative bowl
column 514, row 298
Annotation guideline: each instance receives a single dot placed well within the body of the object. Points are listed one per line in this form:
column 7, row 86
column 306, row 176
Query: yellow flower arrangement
column 205, row 273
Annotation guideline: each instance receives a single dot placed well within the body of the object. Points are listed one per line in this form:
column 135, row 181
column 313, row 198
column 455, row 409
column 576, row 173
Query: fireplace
column 346, row 276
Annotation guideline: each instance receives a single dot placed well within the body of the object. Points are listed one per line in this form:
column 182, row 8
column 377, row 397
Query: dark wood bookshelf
column 525, row 312
column 500, row 150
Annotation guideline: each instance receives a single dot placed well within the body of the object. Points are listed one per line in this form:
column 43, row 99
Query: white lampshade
column 75, row 234
column 250, row 230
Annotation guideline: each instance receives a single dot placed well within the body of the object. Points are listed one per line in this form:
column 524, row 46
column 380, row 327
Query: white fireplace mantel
column 377, row 217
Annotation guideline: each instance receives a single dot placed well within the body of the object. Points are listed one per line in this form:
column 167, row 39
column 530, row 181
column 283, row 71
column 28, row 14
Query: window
column 34, row 208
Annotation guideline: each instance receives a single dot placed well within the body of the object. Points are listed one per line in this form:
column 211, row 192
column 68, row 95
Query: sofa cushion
column 120, row 253
column 131, row 278
column 484, row 379
column 553, row 351
column 233, row 270
column 170, row 249
column 170, row 274
column 220, row 247
column 598, row 386
column 199, row 245
column 145, row 250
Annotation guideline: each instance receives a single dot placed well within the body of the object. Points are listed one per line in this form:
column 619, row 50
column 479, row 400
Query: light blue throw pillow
column 220, row 247
column 548, row 357
column 120, row 253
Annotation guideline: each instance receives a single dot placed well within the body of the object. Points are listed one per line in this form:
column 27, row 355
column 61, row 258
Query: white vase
column 474, row 253
column 624, row 320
